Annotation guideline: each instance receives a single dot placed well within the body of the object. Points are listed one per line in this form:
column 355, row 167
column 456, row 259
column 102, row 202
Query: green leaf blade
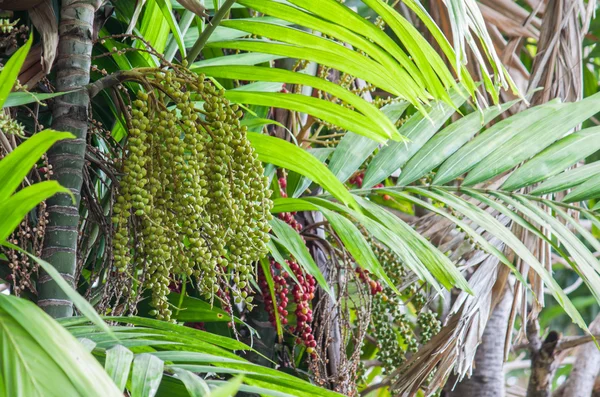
column 418, row 129
column 447, row 142
column 555, row 158
column 568, row 179
column 284, row 154
column 146, row 375
column 117, row 365
column 10, row 71
column 15, row 166
column 293, row 242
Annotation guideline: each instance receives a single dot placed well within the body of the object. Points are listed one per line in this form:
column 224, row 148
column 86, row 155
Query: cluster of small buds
column 193, row 190
column 281, row 292
column 287, row 217
column 389, row 329
column 429, row 325
column 374, row 286
column 7, row 26
column 10, row 126
column 417, row 298
column 303, row 292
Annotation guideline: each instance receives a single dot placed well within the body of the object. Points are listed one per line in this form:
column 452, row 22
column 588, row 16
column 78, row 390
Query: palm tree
column 484, row 170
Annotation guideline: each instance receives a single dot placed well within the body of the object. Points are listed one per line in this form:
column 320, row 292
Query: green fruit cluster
column 396, row 333
column 10, row 126
column 193, row 200
column 393, row 331
column 429, row 325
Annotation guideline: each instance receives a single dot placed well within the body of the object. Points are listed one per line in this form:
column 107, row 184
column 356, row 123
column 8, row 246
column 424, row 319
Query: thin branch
column 569, row 342
column 105, row 82
column 384, row 383
column 208, row 31
column 565, row 343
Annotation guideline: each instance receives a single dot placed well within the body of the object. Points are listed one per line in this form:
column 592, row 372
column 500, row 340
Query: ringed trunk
column 70, row 113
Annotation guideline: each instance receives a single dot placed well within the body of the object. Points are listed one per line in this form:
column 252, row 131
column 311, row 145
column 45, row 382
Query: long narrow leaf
column 335, row 114
column 386, row 127
column 15, row 208
column 266, row 268
column 334, row 60
column 568, row 179
column 11, row 70
column 555, row 158
column 354, row 149
column 17, row 164
column 284, row 154
column 482, row 241
column 39, row 357
column 117, row 365
column 418, row 129
column 446, row 142
column 484, row 144
column 146, row 375
column 530, row 141
column 292, row 241
column 394, row 239
column 357, row 245
column 492, row 225
column 437, row 263
column 80, row 303
column 195, row 385
column 587, row 190
column 165, row 8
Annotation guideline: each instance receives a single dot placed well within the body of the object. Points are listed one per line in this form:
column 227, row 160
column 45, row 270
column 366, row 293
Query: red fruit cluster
column 287, row 217
column 357, row 179
column 281, row 292
column 303, row 292
column 374, row 286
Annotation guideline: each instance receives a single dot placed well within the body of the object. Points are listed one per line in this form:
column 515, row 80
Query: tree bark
column 582, row 378
column 543, row 360
column 70, row 113
column 487, row 379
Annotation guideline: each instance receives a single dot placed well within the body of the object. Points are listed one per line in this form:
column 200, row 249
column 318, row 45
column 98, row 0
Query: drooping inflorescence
column 193, row 200
column 397, row 328
column 9, row 126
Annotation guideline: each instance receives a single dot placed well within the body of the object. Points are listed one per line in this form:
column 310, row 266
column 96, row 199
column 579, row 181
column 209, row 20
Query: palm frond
column 40, row 357
column 335, row 36
column 170, row 359
column 483, row 206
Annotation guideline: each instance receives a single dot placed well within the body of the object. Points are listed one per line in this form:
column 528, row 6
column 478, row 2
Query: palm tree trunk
column 70, row 113
column 487, row 379
column 582, row 379
column 543, row 360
